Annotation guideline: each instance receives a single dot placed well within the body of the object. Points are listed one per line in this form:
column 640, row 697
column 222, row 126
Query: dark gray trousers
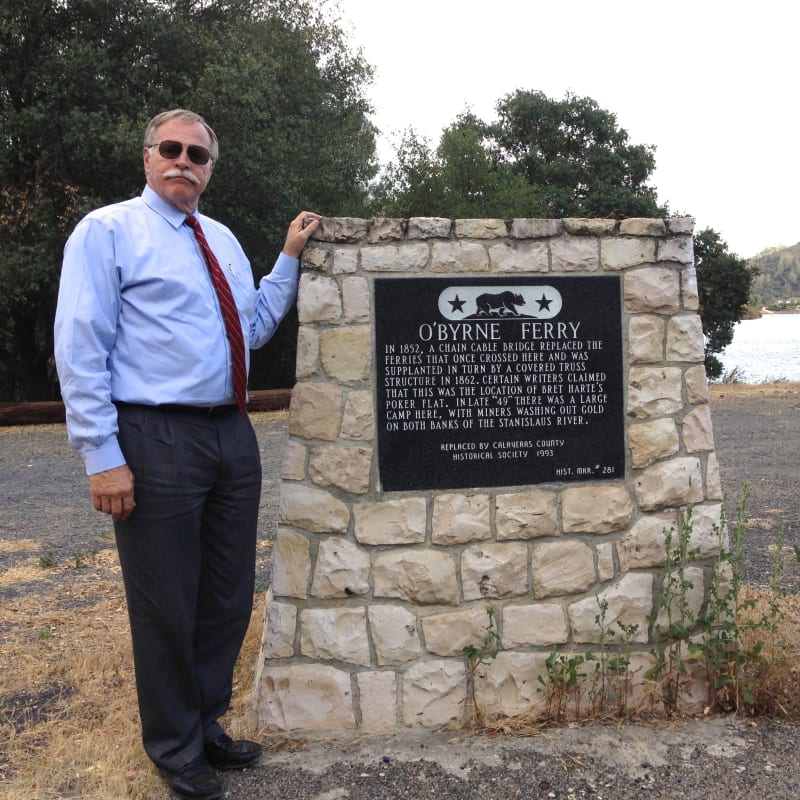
column 188, row 562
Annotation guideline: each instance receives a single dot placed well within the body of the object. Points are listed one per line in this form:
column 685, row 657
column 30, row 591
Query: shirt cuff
column 285, row 266
column 107, row 456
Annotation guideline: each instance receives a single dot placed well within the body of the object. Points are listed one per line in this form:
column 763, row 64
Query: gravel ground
column 46, row 510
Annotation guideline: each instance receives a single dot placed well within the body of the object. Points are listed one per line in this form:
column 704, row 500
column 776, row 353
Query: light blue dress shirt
column 138, row 318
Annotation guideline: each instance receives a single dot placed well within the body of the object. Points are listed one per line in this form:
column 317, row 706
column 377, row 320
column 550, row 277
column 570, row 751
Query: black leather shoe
column 225, row 753
column 195, row 780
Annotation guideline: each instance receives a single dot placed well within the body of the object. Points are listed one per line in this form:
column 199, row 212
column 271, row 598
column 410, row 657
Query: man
column 156, row 312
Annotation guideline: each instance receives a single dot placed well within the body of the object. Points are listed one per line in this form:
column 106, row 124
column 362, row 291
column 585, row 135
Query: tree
column 572, row 152
column 460, row 179
column 723, row 285
column 540, row 158
column 80, row 78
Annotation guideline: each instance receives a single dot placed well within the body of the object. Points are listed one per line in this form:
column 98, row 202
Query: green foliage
column 461, row 179
column 541, row 158
column 562, row 684
column 80, row 79
column 723, row 285
column 480, row 656
column 575, row 156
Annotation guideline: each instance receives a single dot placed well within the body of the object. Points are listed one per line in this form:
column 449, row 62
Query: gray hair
column 180, row 113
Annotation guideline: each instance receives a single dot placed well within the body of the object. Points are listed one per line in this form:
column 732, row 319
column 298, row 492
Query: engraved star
column 458, row 305
column 544, row 303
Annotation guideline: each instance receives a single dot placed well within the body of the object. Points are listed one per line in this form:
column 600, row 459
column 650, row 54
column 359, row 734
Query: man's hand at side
column 112, row 492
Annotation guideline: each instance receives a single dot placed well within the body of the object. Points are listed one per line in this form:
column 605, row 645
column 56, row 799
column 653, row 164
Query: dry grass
column 776, row 389
column 68, row 721
column 69, row 726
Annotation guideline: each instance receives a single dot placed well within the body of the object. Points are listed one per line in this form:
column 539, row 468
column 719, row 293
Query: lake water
column 765, row 349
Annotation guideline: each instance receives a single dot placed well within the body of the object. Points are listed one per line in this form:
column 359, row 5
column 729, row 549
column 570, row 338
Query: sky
column 712, row 85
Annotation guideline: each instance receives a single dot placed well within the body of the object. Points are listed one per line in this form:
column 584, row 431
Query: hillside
column 779, row 275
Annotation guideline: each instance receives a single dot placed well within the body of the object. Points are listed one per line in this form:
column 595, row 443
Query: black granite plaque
column 498, row 381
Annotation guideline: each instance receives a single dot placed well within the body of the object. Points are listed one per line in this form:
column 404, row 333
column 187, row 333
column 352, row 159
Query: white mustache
column 182, row 173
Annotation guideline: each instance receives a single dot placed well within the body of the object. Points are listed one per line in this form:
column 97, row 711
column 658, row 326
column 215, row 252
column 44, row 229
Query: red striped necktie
column 233, row 327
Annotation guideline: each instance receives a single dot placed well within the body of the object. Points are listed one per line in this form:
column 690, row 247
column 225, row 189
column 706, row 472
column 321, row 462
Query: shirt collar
column 173, row 215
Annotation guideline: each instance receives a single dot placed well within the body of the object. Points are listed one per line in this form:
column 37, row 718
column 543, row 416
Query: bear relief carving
column 500, row 304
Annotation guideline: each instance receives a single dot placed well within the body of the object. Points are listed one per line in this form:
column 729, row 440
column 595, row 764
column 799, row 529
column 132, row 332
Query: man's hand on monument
column 300, row 230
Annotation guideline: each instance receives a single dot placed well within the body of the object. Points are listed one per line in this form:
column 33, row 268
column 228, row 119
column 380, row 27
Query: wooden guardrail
column 53, row 412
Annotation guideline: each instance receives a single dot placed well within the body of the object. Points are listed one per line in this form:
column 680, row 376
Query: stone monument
column 490, row 417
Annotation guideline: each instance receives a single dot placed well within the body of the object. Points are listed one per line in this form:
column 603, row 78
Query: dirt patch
column 757, row 440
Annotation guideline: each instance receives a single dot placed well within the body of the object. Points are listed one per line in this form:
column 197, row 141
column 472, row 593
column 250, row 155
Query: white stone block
column 526, row 515
column 425, row 577
column 318, row 299
column 713, row 481
column 652, row 440
column 355, row 297
column 698, row 435
column 605, row 561
column 685, row 339
column 692, row 595
column 459, row 518
column 395, row 258
column 377, row 693
column 596, row 509
column 643, row 546
column 341, row 569
column 630, row 602
column 681, row 225
column 310, row 697
column 313, row 509
column 654, row 391
column 709, row 530
column 391, row 522
column 279, row 632
column 459, row 257
column 346, row 353
column 335, row 634
column 680, row 249
column 562, row 568
column 394, row 634
column 291, row 564
column 429, row 227
column 534, row 625
column 358, row 419
column 619, row 254
column 575, row 254
column 509, row 685
column 696, row 384
column 315, row 411
column 480, row 228
column 494, row 570
column 645, row 339
column 651, row 290
column 519, row 257
column 294, row 462
column 345, row 260
column 675, row 482
column 582, row 226
column 434, row 693
column 642, row 226
column 307, row 360
column 535, row 228
column 347, row 468
column 448, row 634
column 385, row 229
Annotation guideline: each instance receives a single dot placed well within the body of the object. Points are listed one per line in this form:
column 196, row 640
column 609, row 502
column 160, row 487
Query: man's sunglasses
column 172, row 149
